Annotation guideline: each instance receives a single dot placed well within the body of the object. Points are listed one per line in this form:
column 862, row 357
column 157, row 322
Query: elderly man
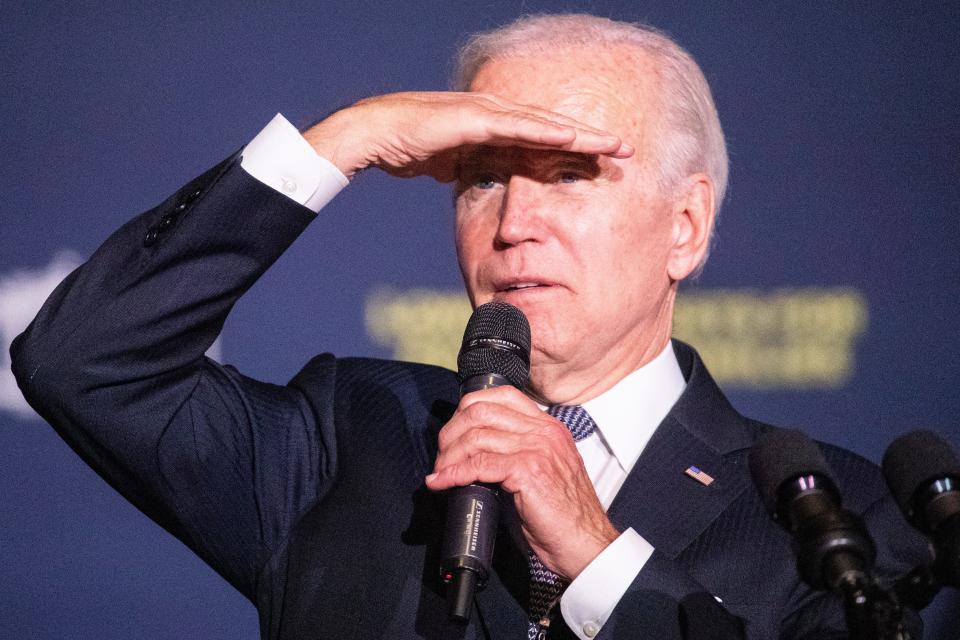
column 589, row 165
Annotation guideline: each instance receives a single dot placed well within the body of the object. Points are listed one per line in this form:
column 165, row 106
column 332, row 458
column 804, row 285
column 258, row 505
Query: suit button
column 167, row 221
column 180, row 208
column 151, row 238
column 590, row 629
column 193, row 196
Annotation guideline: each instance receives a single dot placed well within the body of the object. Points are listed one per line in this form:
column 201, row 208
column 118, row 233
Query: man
column 589, row 165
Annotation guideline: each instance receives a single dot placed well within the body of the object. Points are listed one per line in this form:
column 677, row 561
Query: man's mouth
column 523, row 285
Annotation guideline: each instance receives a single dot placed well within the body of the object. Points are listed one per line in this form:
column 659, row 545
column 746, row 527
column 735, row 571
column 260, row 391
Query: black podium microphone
column 495, row 353
column 833, row 548
column 923, row 474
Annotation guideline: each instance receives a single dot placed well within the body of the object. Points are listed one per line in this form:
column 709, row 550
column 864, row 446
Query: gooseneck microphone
column 923, row 474
column 495, row 352
column 833, row 548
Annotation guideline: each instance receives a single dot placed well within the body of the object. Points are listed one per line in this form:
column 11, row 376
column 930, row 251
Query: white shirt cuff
column 591, row 598
column 281, row 158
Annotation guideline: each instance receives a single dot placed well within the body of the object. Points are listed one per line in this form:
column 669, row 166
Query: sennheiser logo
column 475, row 515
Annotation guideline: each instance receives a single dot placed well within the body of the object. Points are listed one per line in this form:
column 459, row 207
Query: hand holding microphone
column 500, row 437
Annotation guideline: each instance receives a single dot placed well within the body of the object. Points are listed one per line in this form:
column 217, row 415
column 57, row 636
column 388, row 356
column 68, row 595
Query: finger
column 586, row 134
column 488, row 122
column 505, row 395
column 483, row 467
column 526, row 129
column 484, row 440
column 490, row 415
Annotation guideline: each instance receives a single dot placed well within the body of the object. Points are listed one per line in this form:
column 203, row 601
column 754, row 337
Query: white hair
column 690, row 140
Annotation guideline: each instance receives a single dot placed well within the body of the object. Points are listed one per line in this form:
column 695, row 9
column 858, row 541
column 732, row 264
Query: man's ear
column 693, row 216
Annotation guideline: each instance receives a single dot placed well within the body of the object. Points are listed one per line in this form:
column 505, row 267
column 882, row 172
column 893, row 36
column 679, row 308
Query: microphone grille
column 781, row 455
column 496, row 340
column 914, row 459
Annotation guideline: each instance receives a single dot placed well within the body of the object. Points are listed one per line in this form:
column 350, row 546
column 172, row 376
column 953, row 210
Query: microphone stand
column 872, row 612
column 918, row 587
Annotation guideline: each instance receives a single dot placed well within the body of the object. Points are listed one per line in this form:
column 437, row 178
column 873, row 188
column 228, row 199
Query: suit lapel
column 664, row 505
column 658, row 500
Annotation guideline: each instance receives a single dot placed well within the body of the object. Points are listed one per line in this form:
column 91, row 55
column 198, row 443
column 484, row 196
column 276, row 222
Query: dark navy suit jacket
column 309, row 497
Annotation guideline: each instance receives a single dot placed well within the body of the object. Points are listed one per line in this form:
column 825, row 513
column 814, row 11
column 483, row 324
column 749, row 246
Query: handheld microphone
column 833, row 548
column 495, row 352
column 923, row 474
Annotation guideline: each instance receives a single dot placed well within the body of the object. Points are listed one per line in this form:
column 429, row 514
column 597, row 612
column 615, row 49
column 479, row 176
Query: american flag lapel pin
column 697, row 474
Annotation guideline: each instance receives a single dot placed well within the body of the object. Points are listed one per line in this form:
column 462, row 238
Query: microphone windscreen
column 496, row 340
column 781, row 455
column 913, row 460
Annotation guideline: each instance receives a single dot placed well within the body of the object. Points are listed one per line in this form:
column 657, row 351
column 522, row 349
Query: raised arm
column 115, row 358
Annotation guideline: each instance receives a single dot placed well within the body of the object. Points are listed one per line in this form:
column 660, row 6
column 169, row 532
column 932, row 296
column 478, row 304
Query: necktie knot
column 576, row 419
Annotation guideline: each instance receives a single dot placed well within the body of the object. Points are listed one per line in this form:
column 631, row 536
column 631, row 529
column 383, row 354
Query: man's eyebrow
column 569, row 160
column 486, row 153
column 528, row 161
column 479, row 153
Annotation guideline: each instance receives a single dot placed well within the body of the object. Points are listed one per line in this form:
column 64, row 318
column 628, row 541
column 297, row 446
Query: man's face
column 579, row 243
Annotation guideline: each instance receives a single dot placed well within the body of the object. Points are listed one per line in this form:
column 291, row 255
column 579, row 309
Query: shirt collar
column 628, row 413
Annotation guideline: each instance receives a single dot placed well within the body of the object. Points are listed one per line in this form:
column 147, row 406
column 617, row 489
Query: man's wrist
column 340, row 141
column 282, row 159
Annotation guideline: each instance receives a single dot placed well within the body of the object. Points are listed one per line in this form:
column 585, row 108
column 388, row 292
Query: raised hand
column 420, row 133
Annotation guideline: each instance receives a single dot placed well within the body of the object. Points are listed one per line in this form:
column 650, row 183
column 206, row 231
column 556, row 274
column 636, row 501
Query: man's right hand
column 419, row 133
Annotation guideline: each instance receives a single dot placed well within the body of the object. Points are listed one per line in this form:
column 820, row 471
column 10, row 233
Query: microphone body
column 495, row 352
column 923, row 473
column 833, row 548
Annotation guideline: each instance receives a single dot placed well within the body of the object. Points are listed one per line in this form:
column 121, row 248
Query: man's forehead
column 611, row 88
column 605, row 63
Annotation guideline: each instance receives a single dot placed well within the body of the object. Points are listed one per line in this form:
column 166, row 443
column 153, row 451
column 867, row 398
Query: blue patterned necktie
column 545, row 585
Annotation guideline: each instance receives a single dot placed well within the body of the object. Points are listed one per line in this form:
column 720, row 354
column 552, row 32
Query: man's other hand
column 420, row 133
column 501, row 436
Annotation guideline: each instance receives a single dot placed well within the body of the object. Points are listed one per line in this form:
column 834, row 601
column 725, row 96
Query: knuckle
column 536, row 468
column 480, row 412
column 443, row 437
column 480, row 459
column 531, row 465
column 475, row 437
column 557, row 433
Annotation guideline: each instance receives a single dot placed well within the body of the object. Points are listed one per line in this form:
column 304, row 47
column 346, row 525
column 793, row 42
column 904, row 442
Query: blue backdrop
column 842, row 124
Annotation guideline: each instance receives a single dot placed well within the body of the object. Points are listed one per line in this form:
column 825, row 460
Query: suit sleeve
column 115, row 362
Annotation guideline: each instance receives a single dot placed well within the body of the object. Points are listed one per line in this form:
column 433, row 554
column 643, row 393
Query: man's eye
column 568, row 177
column 485, row 181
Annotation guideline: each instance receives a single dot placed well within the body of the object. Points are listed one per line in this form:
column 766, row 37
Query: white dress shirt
column 626, row 415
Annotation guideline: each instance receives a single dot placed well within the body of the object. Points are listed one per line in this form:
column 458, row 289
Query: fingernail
column 431, row 477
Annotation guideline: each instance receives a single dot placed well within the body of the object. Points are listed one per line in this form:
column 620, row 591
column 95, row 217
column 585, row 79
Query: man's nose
column 521, row 212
